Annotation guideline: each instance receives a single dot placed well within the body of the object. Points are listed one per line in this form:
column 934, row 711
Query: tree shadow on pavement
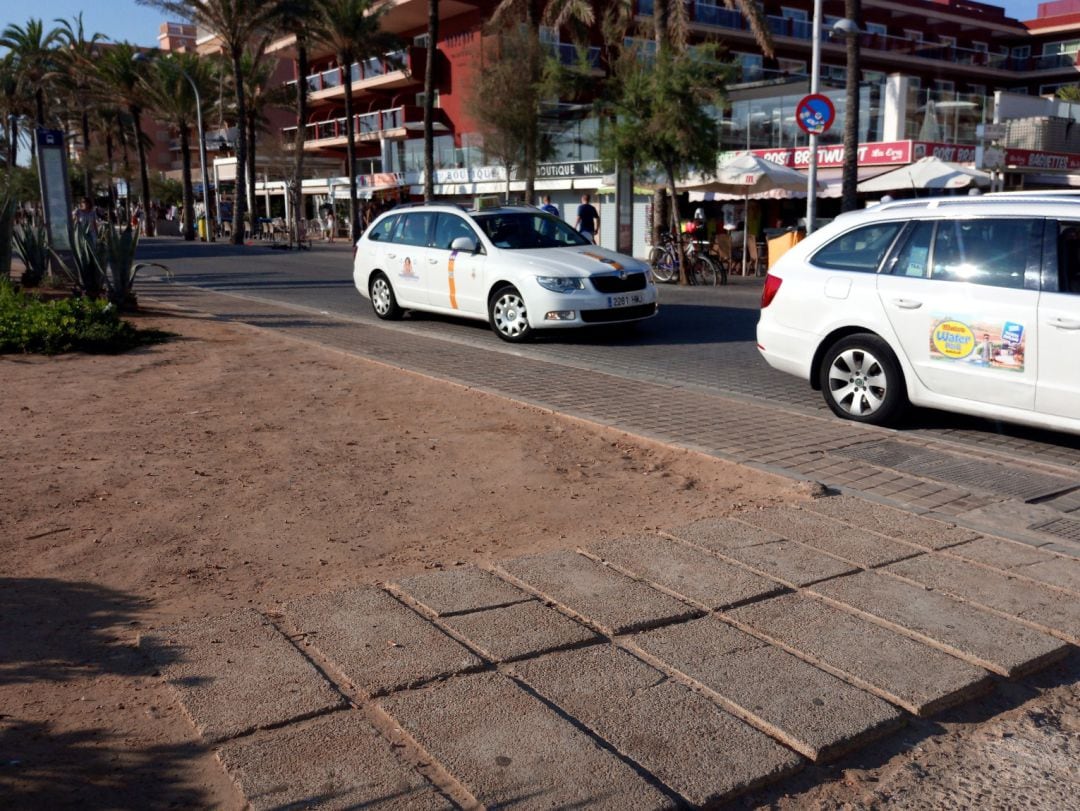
column 55, row 633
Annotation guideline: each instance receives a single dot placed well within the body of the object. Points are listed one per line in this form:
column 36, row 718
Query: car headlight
column 560, row 284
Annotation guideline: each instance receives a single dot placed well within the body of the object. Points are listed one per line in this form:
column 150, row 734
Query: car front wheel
column 383, row 300
column 507, row 315
column 861, row 380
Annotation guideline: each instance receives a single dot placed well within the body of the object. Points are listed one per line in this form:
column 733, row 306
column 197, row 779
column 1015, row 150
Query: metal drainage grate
column 1067, row 528
column 958, row 471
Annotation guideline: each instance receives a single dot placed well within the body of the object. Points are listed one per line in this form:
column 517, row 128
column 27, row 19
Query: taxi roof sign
column 487, row 202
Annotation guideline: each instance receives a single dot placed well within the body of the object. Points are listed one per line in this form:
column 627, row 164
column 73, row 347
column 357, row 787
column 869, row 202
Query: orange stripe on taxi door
column 450, row 275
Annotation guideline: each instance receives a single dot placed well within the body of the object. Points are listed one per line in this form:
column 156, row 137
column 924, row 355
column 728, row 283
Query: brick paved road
column 681, row 668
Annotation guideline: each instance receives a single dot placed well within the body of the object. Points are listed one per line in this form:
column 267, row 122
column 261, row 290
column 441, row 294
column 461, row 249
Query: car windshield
column 528, row 229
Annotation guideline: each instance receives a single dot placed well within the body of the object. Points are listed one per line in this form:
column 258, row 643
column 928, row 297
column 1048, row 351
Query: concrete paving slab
column 336, row 762
column 905, row 526
column 1036, row 563
column 680, row 737
column 237, row 673
column 377, row 643
column 457, row 591
column 509, row 749
column 722, row 534
column 791, row 563
column 856, row 546
column 613, row 602
column 1000, row 645
column 812, row 711
column 685, row 570
column 921, row 679
column 520, row 630
column 1054, row 611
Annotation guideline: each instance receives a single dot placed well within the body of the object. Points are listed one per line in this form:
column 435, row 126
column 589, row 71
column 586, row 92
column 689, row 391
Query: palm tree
column 429, row 100
column 353, row 30
column 76, row 60
column 13, row 105
column 33, row 50
column 295, row 17
column 849, row 193
column 261, row 95
column 236, row 23
column 170, row 97
column 121, row 75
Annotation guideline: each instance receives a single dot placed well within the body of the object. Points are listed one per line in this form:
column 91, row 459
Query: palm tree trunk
column 127, row 166
column 252, row 206
column 297, row 190
column 849, row 199
column 350, row 145
column 189, row 194
column 241, row 152
column 13, row 142
column 532, row 139
column 39, row 100
column 429, row 100
column 112, row 169
column 88, row 174
column 144, row 176
column 670, row 171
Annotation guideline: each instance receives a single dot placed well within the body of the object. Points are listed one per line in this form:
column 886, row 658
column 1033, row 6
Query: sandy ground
column 234, row 467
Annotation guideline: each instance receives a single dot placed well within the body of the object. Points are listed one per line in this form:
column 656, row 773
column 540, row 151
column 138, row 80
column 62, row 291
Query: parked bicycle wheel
column 703, row 271
column 662, row 262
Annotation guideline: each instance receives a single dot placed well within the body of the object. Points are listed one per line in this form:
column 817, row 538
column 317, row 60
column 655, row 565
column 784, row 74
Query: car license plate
column 629, row 300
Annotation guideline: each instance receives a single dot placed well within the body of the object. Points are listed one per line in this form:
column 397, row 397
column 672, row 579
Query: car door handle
column 907, row 303
column 1064, row 323
column 432, row 261
column 391, row 256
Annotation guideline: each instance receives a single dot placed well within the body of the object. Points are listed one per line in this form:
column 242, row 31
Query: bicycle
column 702, row 269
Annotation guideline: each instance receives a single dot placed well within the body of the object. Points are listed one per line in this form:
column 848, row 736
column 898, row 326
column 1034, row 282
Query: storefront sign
column 832, row 155
column 1027, row 159
column 571, row 169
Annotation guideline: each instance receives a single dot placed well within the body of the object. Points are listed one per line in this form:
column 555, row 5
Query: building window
column 1021, row 52
column 948, row 41
column 981, row 47
column 913, row 35
column 795, row 67
column 876, row 28
column 1067, row 47
column 802, row 15
column 944, row 86
column 751, row 65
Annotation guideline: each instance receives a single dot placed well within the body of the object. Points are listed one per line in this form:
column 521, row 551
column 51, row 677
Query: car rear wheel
column 383, row 300
column 507, row 315
column 862, row 381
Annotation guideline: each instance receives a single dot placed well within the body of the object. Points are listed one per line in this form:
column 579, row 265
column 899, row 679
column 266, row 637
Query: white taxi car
column 518, row 268
column 965, row 304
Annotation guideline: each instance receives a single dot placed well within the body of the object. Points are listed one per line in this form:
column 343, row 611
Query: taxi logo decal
column 998, row 346
column 450, row 277
column 601, row 258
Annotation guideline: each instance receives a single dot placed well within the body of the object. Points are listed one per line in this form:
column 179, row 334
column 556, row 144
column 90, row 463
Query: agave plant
column 33, row 246
column 120, row 245
column 88, row 254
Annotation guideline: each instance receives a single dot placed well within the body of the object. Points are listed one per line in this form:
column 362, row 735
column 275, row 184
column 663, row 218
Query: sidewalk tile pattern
column 894, row 523
column 376, row 642
column 721, row 535
column 519, row 630
column 1047, row 608
column 456, row 591
column 616, row 604
column 512, row 750
column 790, row 563
column 690, row 573
column 808, row 709
column 918, row 678
column 236, row 673
column 856, row 546
column 335, row 762
column 987, row 640
column 682, row 738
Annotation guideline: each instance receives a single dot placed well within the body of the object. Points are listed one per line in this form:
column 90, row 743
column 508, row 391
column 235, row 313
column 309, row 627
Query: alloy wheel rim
column 510, row 316
column 857, row 382
column 380, row 294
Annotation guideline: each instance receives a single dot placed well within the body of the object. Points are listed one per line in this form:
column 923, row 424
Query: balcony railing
column 366, row 69
column 709, row 13
column 569, row 54
column 366, row 125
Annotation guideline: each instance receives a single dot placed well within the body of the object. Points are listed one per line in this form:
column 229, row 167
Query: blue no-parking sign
column 815, row 114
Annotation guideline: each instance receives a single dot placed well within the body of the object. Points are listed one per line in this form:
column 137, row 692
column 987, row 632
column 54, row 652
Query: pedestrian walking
column 330, row 226
column 86, row 217
column 548, row 207
column 588, row 219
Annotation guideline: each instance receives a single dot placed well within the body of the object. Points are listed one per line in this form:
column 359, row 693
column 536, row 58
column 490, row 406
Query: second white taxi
column 518, row 268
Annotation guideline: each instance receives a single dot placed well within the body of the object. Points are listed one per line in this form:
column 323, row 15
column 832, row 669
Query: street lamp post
column 811, row 169
column 140, row 56
column 202, row 158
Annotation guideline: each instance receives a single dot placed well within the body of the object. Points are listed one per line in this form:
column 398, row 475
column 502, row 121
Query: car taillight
column 768, row 293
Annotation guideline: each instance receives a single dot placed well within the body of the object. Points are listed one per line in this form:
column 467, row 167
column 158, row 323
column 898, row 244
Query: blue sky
column 123, row 19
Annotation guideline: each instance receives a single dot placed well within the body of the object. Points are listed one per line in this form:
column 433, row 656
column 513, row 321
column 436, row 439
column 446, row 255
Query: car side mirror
column 463, row 244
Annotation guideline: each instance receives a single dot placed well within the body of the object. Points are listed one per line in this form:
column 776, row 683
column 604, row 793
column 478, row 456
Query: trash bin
column 201, row 226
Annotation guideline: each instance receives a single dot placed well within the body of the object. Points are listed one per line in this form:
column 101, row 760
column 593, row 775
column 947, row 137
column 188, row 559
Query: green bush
column 76, row 324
